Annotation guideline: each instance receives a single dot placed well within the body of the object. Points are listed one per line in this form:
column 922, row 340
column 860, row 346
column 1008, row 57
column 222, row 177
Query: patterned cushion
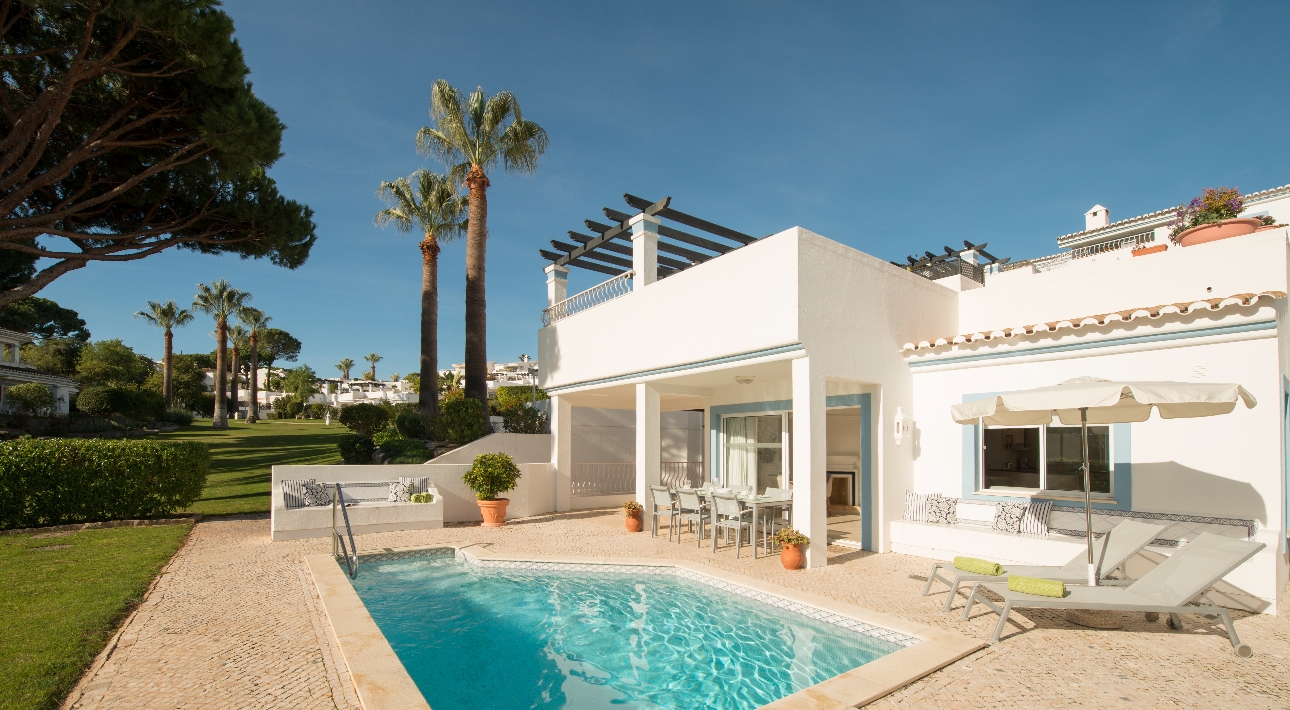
column 293, row 493
column 315, row 493
column 400, row 492
column 1035, row 519
column 916, row 506
column 420, row 484
column 942, row 510
column 1007, row 516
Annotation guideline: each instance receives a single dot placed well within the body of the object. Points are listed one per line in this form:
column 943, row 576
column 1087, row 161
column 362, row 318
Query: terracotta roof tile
column 1129, row 314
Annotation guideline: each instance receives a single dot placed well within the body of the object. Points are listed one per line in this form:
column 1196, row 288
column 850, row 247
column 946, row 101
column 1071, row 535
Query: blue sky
column 892, row 127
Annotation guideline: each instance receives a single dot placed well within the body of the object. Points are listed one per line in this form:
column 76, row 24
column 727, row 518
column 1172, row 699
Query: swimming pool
column 584, row 636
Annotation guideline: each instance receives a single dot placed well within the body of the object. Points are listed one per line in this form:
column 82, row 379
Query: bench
column 365, row 502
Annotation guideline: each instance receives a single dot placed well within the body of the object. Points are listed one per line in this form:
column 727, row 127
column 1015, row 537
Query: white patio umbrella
column 1089, row 400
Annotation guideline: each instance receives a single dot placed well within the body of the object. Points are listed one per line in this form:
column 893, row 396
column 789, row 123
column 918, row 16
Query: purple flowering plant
column 1214, row 204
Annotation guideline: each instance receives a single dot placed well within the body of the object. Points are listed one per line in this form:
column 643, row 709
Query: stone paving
column 234, row 622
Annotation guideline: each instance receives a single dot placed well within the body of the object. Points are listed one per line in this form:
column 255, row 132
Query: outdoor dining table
column 757, row 503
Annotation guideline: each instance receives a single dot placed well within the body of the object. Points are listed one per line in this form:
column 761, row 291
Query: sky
column 892, row 127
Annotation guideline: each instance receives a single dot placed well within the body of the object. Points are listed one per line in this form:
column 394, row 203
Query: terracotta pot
column 1219, row 230
column 634, row 523
column 494, row 512
column 791, row 556
column 1150, row 250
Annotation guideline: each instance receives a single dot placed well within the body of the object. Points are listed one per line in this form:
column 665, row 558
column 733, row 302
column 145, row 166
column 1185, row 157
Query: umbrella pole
column 1088, row 491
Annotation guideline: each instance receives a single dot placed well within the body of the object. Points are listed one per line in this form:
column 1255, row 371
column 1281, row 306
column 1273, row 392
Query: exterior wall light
column 898, row 428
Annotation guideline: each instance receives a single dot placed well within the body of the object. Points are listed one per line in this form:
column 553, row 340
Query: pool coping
column 382, row 681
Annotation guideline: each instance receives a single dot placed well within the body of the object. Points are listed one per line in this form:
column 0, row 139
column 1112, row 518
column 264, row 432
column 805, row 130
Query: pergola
column 597, row 252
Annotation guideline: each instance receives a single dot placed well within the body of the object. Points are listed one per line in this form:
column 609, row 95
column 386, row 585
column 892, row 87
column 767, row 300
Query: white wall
column 609, row 435
column 664, row 325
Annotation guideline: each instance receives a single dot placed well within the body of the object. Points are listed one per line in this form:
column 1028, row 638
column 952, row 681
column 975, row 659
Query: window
column 1045, row 458
column 755, row 451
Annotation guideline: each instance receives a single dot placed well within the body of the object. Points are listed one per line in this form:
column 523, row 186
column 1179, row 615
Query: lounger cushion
column 1007, row 516
column 315, row 493
column 941, row 510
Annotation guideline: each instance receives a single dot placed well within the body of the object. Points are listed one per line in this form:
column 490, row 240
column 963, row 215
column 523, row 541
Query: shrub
column 356, row 449
column 492, row 474
column 58, row 481
column 30, row 397
column 287, row 408
column 386, row 435
column 364, row 419
column 405, row 451
column 179, row 416
column 319, row 411
column 410, row 425
column 512, row 396
column 525, row 420
column 142, row 405
column 461, row 421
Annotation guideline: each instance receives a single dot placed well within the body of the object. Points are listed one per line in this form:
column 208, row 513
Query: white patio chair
column 691, row 509
column 664, row 504
column 731, row 516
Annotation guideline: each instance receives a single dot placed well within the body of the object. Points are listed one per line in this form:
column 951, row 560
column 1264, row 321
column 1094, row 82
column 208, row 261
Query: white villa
column 13, row 371
column 838, row 381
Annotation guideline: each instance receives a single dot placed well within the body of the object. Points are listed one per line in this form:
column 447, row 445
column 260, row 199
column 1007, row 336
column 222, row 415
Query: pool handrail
column 350, row 556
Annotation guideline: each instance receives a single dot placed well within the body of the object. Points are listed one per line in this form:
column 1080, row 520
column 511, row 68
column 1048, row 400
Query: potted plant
column 634, row 512
column 791, row 543
column 488, row 476
column 1213, row 216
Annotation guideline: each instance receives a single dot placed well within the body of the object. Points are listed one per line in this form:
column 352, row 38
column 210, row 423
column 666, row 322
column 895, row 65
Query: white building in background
column 14, row 371
column 798, row 359
column 504, row 374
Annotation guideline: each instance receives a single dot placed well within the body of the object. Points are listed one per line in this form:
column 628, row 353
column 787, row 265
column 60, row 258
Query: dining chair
column 691, row 509
column 731, row 515
column 776, row 519
column 664, row 504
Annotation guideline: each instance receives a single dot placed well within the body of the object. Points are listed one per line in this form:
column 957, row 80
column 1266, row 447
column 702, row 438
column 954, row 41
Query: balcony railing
column 620, row 285
column 1048, row 263
column 606, row 479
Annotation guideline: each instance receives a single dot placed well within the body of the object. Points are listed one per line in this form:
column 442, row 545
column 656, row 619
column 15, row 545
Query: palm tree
column 430, row 203
column 256, row 322
column 373, row 358
column 472, row 133
column 238, row 337
column 167, row 316
column 219, row 301
column 345, row 366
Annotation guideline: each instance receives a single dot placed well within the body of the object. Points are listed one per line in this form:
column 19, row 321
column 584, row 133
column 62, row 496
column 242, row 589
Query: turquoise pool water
column 492, row 638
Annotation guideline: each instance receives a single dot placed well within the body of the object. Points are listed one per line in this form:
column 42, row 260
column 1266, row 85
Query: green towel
column 1034, row 585
column 975, row 566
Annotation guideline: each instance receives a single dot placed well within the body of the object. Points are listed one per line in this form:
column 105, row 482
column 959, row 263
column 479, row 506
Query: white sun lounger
column 1110, row 552
column 1176, row 586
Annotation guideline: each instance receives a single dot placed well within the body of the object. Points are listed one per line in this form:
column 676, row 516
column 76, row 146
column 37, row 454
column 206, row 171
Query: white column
column 557, row 284
column 810, row 459
column 648, row 441
column 644, row 250
column 562, row 452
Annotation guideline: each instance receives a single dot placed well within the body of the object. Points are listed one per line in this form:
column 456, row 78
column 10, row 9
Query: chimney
column 1097, row 216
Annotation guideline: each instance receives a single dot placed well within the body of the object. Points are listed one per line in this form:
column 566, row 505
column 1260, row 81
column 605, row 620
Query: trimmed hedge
column 364, row 419
column 356, row 449
column 59, row 481
column 134, row 403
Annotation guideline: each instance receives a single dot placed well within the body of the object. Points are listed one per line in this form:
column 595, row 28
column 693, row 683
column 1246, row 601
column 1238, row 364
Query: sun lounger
column 1110, row 551
column 1176, row 586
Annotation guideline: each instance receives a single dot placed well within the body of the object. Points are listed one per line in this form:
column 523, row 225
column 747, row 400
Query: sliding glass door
column 755, row 455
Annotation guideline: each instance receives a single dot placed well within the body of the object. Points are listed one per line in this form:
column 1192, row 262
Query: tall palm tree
column 472, row 134
column 167, row 316
column 373, row 358
column 256, row 322
column 219, row 301
column 430, row 203
column 345, row 366
column 239, row 338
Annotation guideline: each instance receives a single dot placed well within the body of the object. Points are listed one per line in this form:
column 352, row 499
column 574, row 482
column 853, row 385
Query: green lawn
column 61, row 604
column 242, row 457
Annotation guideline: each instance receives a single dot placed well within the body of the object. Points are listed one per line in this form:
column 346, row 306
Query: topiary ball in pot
column 488, row 476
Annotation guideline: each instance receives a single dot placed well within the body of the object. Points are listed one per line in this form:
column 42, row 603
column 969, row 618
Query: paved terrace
column 234, row 622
